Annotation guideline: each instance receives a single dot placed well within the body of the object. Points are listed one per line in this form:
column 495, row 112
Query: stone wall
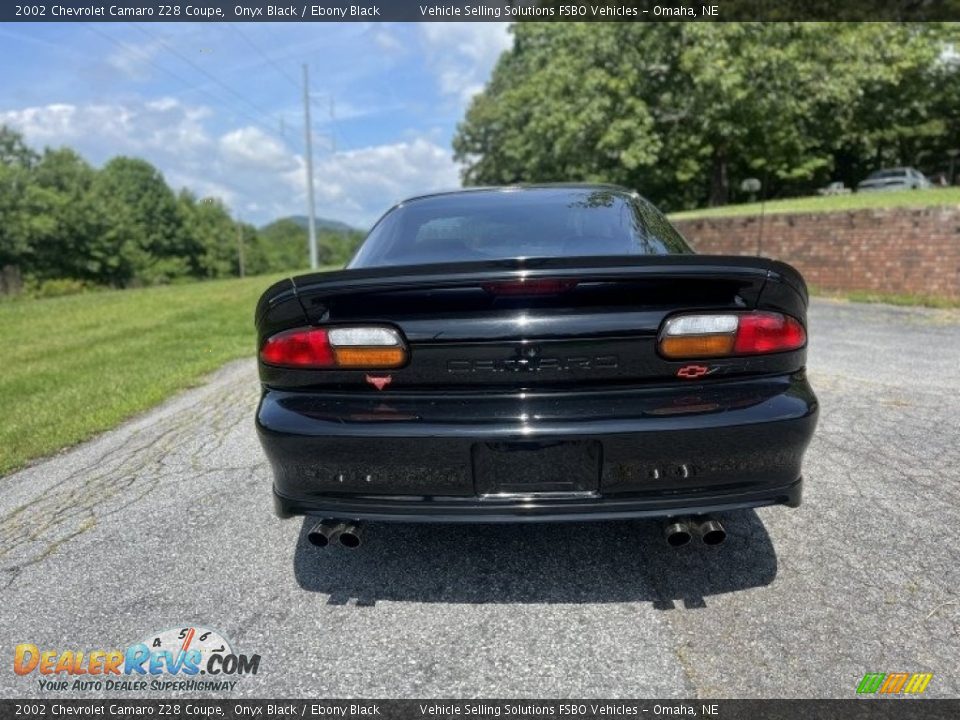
column 901, row 251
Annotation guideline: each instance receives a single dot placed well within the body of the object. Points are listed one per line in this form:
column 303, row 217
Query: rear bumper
column 662, row 452
column 456, row 510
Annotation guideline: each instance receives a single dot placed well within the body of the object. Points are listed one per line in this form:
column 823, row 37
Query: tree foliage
column 285, row 241
column 684, row 111
column 67, row 224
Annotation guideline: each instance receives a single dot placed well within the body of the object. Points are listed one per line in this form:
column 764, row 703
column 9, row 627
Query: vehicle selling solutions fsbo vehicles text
column 561, row 11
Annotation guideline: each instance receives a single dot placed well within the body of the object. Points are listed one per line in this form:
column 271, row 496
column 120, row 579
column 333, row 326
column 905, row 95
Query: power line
column 334, row 133
column 200, row 69
column 336, row 128
column 141, row 53
column 264, row 55
column 308, row 138
column 175, row 76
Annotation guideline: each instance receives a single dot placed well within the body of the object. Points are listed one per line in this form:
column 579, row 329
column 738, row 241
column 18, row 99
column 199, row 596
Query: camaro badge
column 379, row 382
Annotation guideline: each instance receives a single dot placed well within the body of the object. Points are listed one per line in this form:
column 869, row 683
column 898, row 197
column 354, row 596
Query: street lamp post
column 953, row 153
column 753, row 186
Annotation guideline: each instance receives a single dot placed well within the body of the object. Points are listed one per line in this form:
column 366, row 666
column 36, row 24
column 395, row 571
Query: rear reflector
column 364, row 347
column 526, row 286
column 687, row 337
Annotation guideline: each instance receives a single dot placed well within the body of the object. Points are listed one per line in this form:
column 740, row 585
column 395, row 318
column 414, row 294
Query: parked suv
column 894, row 179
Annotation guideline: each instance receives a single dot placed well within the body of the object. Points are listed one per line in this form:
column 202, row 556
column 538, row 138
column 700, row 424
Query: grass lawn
column 868, row 296
column 75, row 366
column 834, row 203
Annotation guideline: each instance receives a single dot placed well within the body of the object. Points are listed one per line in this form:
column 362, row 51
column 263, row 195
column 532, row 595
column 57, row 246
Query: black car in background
column 536, row 353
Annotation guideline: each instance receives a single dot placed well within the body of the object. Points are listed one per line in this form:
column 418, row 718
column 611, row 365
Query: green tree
column 142, row 238
column 16, row 160
column 212, row 232
column 13, row 150
column 13, row 245
column 338, row 246
column 58, row 219
column 122, row 225
column 281, row 245
column 684, row 111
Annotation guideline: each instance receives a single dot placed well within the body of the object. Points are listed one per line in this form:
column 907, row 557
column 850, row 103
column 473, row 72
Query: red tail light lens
column 767, row 333
column 524, row 286
column 303, row 348
column 363, row 347
column 686, row 337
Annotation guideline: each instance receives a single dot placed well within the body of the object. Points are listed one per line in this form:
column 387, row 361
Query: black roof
column 526, row 187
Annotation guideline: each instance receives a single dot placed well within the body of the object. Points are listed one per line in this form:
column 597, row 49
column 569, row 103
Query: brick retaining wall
column 901, row 251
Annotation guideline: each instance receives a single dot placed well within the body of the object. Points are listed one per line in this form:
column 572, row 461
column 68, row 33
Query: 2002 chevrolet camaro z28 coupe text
column 534, row 353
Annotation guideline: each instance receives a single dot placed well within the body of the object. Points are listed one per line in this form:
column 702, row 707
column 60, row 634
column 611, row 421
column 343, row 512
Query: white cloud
column 255, row 173
column 251, row 148
column 160, row 124
column 463, row 54
column 358, row 185
column 388, row 42
column 134, row 61
column 204, row 187
column 62, row 122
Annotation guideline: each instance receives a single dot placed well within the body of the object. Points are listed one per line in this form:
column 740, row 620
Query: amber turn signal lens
column 706, row 335
column 697, row 346
column 369, row 357
column 366, row 347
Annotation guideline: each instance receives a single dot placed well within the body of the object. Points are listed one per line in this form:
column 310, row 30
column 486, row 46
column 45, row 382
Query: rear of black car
column 546, row 353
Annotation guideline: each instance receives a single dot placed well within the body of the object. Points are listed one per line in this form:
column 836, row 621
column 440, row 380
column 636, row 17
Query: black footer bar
column 899, row 708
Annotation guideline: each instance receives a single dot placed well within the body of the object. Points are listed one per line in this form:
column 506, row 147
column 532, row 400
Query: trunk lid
column 587, row 321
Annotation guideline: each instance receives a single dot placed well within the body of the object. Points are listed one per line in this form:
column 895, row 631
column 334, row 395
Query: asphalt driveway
column 166, row 521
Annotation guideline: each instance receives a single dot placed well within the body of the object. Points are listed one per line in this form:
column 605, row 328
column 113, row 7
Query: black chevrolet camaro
column 535, row 353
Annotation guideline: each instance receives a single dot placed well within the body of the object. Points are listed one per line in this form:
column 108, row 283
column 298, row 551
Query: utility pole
column 240, row 261
column 333, row 128
column 311, row 220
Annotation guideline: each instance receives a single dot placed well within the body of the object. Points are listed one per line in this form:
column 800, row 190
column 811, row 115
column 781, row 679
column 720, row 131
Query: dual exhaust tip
column 680, row 531
column 326, row 532
column 676, row 531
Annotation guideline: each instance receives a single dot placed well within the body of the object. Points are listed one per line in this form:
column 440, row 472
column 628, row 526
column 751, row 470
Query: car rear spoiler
column 766, row 283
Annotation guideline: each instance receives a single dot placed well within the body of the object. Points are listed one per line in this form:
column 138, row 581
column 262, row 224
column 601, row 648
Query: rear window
column 503, row 224
column 887, row 174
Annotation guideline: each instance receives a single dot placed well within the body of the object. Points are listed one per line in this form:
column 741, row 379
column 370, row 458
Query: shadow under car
column 594, row 562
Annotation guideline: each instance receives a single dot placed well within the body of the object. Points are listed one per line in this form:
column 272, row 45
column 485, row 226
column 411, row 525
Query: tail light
column 528, row 286
column 361, row 348
column 723, row 334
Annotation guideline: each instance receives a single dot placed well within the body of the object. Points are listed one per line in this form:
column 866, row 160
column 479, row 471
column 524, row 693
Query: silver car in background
column 894, row 179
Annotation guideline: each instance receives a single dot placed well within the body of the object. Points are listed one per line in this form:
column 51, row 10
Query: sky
column 218, row 108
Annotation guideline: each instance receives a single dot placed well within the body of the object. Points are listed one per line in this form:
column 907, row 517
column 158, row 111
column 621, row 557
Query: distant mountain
column 322, row 224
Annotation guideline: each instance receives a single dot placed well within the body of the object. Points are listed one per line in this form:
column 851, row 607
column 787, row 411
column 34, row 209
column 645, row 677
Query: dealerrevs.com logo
column 179, row 659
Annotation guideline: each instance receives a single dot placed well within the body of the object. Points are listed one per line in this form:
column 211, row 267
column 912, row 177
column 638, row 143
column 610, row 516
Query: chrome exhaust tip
column 351, row 536
column 710, row 530
column 677, row 533
column 324, row 533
